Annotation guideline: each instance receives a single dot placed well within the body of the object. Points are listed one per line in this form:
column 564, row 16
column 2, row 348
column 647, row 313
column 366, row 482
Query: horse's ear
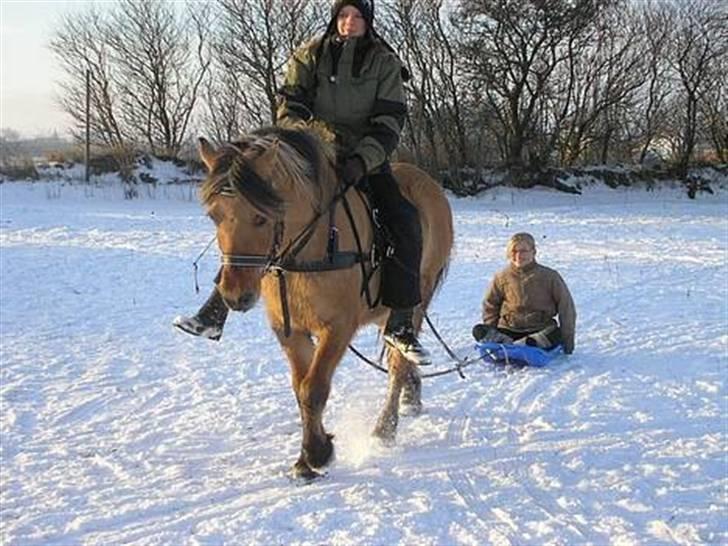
column 208, row 154
column 267, row 160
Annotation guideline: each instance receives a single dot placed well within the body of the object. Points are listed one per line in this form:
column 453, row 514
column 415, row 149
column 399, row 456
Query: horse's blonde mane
column 290, row 171
column 301, row 165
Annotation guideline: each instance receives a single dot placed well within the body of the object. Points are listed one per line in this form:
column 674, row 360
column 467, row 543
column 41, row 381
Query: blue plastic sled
column 518, row 355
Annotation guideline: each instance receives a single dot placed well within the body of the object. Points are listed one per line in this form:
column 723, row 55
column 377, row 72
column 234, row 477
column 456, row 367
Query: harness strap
column 340, row 260
column 303, row 239
column 284, row 302
column 199, row 257
column 244, row 260
column 460, row 363
column 365, row 278
column 374, row 251
column 332, row 245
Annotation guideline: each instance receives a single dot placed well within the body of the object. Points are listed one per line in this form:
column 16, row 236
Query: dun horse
column 278, row 207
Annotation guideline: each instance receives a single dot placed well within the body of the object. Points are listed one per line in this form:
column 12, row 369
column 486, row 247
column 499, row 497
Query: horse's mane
column 299, row 166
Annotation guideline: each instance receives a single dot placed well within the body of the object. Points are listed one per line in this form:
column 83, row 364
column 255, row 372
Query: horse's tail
column 441, row 275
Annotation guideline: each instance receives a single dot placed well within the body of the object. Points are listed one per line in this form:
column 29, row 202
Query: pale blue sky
column 27, row 71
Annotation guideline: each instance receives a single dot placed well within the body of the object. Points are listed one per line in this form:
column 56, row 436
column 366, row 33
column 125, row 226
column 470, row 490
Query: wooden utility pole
column 87, row 150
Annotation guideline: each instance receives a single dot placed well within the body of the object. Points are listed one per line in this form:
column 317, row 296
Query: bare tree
column 606, row 72
column 423, row 37
column 511, row 49
column 80, row 45
column 161, row 60
column 253, row 41
column 699, row 41
column 650, row 115
column 713, row 107
column 227, row 107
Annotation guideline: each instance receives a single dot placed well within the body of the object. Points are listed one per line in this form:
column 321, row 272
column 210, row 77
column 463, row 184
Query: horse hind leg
column 411, row 398
column 399, row 369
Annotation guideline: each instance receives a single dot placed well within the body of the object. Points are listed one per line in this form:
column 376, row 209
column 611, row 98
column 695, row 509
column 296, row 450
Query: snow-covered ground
column 118, row 430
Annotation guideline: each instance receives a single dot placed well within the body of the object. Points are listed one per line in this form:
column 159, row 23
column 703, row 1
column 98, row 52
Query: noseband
column 267, row 262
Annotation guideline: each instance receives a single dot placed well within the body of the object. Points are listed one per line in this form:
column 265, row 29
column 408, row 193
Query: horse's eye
column 214, row 218
column 259, row 220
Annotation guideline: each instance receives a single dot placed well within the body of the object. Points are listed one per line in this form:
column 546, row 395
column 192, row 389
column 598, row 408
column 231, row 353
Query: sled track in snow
column 514, row 462
column 465, row 487
column 545, row 389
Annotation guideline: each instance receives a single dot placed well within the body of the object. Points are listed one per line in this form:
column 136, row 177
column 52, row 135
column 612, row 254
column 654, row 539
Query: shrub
column 19, row 169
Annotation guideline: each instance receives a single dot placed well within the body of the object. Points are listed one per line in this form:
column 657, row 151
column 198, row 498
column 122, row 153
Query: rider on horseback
column 351, row 81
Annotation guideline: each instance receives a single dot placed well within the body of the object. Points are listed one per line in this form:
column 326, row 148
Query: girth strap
column 339, row 260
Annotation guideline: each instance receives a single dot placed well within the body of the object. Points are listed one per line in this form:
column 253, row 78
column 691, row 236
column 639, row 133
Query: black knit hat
column 365, row 7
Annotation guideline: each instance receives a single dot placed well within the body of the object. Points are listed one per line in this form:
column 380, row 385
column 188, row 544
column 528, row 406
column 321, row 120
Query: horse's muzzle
column 244, row 303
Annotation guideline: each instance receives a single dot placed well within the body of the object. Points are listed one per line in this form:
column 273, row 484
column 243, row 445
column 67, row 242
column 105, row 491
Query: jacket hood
column 365, row 7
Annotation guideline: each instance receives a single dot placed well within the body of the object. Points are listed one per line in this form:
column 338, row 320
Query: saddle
column 382, row 240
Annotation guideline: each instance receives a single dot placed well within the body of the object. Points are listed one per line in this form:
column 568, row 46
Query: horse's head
column 247, row 194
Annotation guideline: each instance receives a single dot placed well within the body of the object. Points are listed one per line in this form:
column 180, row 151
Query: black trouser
column 401, row 270
column 480, row 331
column 554, row 336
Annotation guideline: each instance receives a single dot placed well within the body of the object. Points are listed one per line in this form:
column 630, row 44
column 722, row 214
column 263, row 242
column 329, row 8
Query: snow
column 118, row 430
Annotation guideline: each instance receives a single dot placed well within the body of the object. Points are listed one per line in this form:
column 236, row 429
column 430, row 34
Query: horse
column 278, row 208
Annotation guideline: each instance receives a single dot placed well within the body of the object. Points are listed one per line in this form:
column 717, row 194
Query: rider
column 350, row 80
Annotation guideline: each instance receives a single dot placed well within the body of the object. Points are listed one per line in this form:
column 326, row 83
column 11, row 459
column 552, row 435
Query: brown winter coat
column 528, row 299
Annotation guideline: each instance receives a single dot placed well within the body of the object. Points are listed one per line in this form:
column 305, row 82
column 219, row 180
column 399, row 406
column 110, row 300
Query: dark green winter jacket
column 360, row 97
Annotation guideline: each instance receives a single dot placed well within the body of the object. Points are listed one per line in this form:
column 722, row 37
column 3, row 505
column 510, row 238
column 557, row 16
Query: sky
column 27, row 70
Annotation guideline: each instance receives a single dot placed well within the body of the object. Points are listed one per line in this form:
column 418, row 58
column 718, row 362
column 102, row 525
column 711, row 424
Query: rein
column 460, row 363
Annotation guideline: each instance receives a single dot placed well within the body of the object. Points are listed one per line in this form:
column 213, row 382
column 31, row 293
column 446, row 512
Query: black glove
column 352, row 170
column 480, row 331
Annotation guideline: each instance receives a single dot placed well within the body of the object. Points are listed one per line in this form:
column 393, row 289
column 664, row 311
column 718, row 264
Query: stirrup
column 195, row 327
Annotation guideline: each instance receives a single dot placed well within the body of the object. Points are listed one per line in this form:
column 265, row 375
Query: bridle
column 265, row 261
column 280, row 261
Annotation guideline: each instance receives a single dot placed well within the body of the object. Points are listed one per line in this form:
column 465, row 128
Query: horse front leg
column 299, row 349
column 313, row 392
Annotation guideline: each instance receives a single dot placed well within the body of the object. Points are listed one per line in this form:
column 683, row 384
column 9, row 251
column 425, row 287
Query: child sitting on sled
column 523, row 300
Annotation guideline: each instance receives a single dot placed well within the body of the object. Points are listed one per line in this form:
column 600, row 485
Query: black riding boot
column 209, row 320
column 399, row 333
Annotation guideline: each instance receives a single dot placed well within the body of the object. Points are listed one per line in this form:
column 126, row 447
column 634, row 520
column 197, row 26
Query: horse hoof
column 410, row 410
column 322, row 454
column 385, row 440
column 386, row 429
column 385, row 435
column 301, row 473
